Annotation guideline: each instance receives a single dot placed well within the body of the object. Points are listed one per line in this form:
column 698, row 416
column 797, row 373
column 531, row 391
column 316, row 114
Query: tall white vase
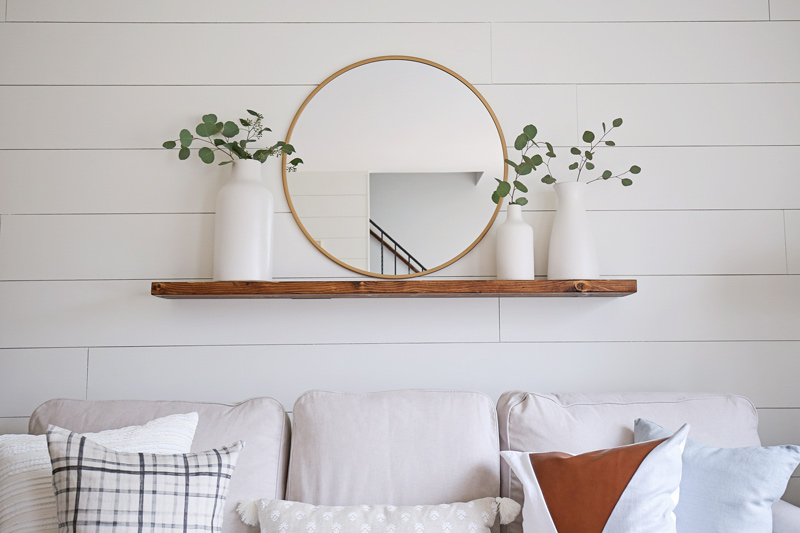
column 243, row 226
column 572, row 251
column 514, row 246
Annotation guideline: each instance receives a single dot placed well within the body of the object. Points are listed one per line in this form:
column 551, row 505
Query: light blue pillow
column 727, row 490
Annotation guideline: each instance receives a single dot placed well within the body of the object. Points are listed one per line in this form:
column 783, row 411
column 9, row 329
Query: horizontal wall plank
column 707, row 177
column 153, row 181
column 784, row 10
column 762, row 371
column 167, row 246
column 363, row 11
column 122, row 313
column 793, row 241
column 779, row 426
column 645, row 53
column 14, row 426
column 112, row 54
column 144, row 117
column 664, row 309
column 694, row 115
column 31, row 377
column 106, row 247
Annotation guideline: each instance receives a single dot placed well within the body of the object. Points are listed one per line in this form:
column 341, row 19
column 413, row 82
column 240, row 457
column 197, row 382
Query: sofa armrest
column 785, row 517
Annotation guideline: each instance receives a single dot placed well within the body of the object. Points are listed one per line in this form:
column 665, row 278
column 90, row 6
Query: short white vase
column 514, row 246
column 572, row 251
column 243, row 226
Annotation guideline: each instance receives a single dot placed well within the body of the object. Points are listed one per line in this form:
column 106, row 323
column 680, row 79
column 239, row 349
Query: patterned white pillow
column 279, row 516
column 98, row 489
column 27, row 502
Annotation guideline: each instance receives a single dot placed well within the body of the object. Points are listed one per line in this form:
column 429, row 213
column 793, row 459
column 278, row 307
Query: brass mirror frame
column 333, row 77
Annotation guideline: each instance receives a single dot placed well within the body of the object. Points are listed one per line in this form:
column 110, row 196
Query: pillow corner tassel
column 249, row 512
column 508, row 510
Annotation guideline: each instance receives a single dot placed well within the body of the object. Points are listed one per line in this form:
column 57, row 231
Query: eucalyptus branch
column 222, row 138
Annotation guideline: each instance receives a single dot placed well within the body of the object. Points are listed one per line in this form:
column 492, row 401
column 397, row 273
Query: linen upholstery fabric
column 27, row 502
column 728, row 490
column 277, row 516
column 260, row 422
column 98, row 489
column 578, row 423
column 570, row 494
column 398, row 447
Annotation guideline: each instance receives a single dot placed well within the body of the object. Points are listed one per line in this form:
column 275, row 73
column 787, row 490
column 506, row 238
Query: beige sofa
column 414, row 446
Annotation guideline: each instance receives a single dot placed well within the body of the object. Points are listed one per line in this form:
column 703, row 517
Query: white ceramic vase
column 243, row 226
column 572, row 251
column 514, row 246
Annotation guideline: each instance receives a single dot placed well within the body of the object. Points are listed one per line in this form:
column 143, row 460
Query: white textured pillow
column 279, row 516
column 27, row 502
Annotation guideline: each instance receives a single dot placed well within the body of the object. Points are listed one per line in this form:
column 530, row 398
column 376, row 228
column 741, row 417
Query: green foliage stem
column 221, row 137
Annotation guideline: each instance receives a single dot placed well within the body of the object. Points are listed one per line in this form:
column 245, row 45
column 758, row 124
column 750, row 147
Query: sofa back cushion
column 579, row 423
column 410, row 447
column 260, row 422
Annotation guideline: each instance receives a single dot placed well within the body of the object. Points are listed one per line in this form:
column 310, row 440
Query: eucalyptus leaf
column 184, row 153
column 218, row 142
column 521, row 186
column 511, row 164
column 503, row 188
column 169, row 145
column 288, row 149
column 627, row 182
column 230, row 129
column 617, row 122
column 549, row 147
column 548, row 179
column 573, row 166
column 521, row 201
column 604, row 127
column 210, row 119
column 206, row 154
column 606, row 174
column 525, row 169
column 296, row 161
column 588, row 136
column 252, row 112
column 205, row 130
column 635, row 169
column 537, row 160
column 589, row 155
column 520, row 142
column 589, row 165
column 610, row 143
column 186, row 137
column 228, row 162
column 575, row 150
column 495, row 197
column 530, row 131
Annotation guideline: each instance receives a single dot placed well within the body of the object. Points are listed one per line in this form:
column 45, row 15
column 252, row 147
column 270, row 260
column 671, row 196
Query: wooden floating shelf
column 391, row 289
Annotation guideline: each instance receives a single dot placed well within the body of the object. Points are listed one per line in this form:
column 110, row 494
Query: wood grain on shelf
column 391, row 289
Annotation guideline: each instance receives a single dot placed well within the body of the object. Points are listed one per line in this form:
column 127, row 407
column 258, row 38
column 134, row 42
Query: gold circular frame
column 333, row 77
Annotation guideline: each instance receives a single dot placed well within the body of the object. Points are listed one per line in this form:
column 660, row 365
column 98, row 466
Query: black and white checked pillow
column 101, row 490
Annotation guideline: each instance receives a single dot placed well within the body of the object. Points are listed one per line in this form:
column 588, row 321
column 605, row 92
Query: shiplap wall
column 92, row 210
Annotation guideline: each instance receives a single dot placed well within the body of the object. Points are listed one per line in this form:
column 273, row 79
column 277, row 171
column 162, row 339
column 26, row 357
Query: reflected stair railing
column 397, row 251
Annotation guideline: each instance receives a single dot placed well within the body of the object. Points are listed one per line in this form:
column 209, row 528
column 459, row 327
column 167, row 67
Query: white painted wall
column 92, row 210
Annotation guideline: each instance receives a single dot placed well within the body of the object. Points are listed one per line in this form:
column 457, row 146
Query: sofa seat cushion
column 579, row 423
column 260, row 422
column 400, row 448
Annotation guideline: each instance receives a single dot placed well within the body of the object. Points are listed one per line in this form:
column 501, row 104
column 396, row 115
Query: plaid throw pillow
column 99, row 489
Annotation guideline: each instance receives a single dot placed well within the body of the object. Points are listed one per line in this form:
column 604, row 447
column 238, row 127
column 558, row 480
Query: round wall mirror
column 400, row 159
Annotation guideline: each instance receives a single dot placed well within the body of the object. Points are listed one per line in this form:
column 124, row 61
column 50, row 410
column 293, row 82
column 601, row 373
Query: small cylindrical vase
column 514, row 246
column 572, row 251
column 243, row 226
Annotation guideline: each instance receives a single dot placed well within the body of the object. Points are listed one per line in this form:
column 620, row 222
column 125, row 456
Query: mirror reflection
column 400, row 160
